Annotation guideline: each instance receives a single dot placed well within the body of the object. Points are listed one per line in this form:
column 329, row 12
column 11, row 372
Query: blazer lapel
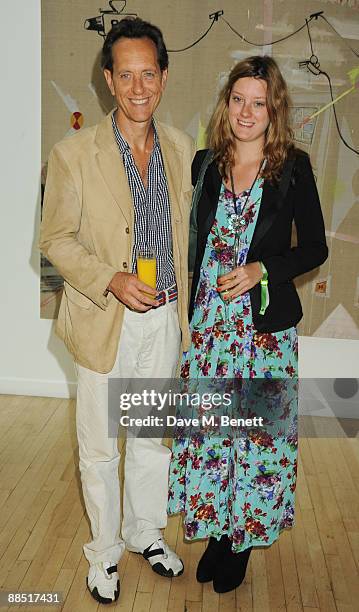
column 111, row 167
column 172, row 155
column 212, row 187
column 270, row 205
column 273, row 199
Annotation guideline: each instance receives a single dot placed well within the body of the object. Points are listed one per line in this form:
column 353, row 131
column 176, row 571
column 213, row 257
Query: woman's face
column 247, row 110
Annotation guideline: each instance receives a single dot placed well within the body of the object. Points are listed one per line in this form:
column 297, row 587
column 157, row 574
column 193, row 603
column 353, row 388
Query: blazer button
column 124, row 264
column 127, row 230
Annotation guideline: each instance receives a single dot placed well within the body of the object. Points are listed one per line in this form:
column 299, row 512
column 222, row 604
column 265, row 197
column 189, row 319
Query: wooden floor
column 313, row 567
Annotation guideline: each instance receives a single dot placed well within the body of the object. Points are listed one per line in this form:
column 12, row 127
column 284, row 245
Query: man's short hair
column 133, row 28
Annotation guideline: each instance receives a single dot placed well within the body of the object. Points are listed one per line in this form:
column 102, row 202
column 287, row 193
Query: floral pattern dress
column 241, row 483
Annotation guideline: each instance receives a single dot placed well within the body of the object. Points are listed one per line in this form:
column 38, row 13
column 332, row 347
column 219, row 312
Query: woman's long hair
column 279, row 135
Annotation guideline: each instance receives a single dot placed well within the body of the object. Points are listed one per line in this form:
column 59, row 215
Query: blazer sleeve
column 197, row 163
column 59, row 230
column 311, row 250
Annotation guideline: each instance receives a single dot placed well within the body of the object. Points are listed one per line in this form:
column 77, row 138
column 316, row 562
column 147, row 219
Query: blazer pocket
column 77, row 298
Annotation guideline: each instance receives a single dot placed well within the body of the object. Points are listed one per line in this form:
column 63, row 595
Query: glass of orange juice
column 146, row 267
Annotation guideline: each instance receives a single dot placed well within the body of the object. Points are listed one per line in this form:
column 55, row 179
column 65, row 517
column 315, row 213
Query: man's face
column 136, row 81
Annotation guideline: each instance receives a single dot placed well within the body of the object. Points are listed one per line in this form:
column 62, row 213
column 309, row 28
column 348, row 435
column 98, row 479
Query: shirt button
column 127, row 230
column 124, row 265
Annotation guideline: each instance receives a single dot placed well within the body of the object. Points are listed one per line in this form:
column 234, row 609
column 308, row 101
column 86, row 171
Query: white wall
column 32, row 360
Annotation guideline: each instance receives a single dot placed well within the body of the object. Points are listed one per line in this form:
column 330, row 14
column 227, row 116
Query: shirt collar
column 122, row 142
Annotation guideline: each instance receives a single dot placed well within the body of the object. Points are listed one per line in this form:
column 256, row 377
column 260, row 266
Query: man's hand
column 240, row 280
column 130, row 291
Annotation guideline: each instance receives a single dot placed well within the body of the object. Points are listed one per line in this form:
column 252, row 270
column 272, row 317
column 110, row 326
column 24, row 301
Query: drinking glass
column 146, row 267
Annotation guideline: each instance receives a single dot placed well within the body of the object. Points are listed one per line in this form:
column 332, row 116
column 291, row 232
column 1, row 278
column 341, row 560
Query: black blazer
column 271, row 242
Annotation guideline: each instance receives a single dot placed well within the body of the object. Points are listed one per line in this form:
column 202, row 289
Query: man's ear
column 164, row 77
column 108, row 76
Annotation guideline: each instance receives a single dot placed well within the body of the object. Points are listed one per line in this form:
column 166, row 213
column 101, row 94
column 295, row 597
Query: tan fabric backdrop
column 74, row 96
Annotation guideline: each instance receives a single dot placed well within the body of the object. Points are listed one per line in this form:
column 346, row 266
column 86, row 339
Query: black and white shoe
column 163, row 560
column 103, row 582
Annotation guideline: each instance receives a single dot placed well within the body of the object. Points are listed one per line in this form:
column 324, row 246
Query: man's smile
column 139, row 101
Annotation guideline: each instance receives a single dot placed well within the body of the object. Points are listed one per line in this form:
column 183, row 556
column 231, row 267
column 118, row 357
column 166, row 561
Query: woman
column 238, row 490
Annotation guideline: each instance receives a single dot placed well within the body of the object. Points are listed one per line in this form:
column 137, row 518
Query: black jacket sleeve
column 197, row 163
column 311, row 250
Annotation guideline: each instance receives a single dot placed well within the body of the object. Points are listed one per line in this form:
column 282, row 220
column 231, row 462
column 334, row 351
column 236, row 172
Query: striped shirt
column 152, row 227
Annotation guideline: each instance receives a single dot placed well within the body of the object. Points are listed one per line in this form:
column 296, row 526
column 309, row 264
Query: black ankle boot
column 232, row 570
column 211, row 558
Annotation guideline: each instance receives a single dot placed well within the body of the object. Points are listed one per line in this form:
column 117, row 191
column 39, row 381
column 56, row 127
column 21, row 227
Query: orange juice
column 146, row 270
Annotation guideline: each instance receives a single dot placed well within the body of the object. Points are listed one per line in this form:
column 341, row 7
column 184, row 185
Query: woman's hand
column 240, row 280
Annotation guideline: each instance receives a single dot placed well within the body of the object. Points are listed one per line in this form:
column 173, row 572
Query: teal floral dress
column 240, row 483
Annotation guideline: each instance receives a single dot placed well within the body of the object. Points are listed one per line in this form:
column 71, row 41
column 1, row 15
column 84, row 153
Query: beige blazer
column 87, row 233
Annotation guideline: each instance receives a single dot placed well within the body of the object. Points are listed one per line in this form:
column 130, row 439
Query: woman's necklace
column 238, row 221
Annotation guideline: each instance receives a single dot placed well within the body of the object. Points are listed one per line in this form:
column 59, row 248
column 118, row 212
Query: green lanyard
column 264, row 290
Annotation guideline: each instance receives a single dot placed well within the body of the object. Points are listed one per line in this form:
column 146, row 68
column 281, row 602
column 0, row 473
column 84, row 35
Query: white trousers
column 149, row 348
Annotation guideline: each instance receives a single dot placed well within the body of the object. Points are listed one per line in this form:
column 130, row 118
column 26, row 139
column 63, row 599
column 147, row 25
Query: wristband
column 264, row 289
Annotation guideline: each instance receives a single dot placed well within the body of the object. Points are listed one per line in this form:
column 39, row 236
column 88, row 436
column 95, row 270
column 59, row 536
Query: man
column 111, row 190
